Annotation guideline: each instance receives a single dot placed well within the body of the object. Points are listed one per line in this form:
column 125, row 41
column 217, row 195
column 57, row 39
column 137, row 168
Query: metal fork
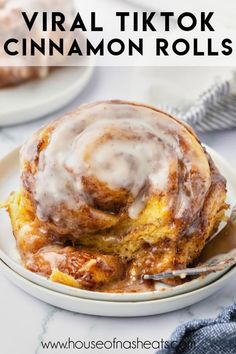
column 218, row 254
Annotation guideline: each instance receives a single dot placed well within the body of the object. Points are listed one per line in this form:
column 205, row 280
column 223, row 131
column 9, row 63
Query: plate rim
column 114, row 309
column 86, row 294
column 72, row 91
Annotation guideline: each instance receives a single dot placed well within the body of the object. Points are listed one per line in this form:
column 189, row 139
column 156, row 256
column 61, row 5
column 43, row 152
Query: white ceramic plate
column 114, row 308
column 9, row 181
column 38, row 98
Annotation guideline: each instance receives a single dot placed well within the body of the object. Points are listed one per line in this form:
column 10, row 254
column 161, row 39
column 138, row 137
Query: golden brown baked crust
column 157, row 239
column 13, row 76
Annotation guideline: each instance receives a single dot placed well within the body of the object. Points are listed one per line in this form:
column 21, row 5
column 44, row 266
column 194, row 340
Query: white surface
column 27, row 321
column 110, row 308
column 9, row 181
column 37, row 98
column 162, row 85
column 223, row 14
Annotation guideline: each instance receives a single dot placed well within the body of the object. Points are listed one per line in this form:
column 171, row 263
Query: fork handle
column 183, row 273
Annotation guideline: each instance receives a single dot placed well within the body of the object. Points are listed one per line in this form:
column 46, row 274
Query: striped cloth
column 210, row 336
column 214, row 110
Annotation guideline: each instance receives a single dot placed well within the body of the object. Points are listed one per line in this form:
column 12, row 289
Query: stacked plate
column 38, row 98
column 163, row 299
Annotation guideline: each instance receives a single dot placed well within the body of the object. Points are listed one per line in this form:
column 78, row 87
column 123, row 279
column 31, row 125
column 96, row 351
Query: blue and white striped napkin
column 209, row 336
column 204, row 97
column 215, row 109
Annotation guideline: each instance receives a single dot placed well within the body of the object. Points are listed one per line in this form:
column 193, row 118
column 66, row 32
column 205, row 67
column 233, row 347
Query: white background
column 26, row 321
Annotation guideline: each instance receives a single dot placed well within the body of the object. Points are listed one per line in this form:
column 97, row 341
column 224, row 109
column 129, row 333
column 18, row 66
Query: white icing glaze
column 50, row 254
column 127, row 147
column 13, row 25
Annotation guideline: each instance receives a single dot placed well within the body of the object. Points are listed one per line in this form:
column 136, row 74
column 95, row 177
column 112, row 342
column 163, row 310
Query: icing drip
column 126, row 147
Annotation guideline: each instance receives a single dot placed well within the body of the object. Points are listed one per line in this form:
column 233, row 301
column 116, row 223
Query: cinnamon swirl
column 115, row 189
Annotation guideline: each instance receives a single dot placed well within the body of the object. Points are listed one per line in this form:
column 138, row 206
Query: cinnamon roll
column 15, row 71
column 115, row 189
